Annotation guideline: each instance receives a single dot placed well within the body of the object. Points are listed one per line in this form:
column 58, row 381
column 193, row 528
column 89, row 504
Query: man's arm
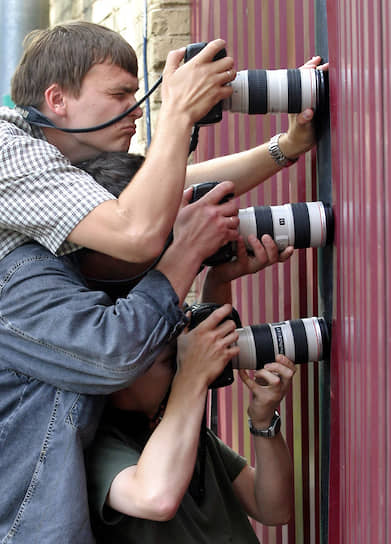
column 154, row 488
column 77, row 338
column 266, row 492
column 135, row 227
column 54, row 329
column 251, row 167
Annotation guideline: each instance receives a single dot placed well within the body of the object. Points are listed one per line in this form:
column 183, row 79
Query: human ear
column 54, row 98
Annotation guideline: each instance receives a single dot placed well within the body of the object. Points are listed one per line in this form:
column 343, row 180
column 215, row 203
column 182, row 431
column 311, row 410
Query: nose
column 137, row 112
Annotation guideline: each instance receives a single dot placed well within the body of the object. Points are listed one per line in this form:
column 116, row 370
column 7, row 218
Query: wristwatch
column 277, row 154
column 272, row 430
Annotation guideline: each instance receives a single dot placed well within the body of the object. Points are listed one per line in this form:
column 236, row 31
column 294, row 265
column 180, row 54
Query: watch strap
column 277, row 154
column 271, row 431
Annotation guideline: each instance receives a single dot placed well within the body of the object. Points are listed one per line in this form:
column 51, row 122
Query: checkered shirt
column 42, row 196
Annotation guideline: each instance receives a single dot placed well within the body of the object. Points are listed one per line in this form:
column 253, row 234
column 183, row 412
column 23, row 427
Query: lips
column 129, row 130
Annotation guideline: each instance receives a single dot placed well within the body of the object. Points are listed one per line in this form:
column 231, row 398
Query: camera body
column 201, row 311
column 227, row 252
column 215, row 115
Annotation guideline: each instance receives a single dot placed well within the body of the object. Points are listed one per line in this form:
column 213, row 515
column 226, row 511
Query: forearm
column 136, row 225
column 215, row 290
column 156, row 192
column 273, row 480
column 180, row 266
column 246, row 169
column 156, row 486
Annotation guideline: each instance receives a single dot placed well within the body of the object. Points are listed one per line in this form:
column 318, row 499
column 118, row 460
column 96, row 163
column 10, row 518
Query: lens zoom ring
column 294, row 91
column 257, row 91
column 300, row 341
column 301, row 220
column 264, row 346
column 264, row 221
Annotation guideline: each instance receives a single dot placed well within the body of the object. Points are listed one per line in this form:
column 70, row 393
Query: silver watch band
column 271, row 431
column 277, row 154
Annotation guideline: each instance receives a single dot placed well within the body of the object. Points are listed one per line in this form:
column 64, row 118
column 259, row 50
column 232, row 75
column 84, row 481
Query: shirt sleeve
column 232, row 461
column 107, row 457
column 42, row 196
column 55, row 329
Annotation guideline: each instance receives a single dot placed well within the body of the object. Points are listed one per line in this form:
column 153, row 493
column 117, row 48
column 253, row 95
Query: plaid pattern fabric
column 42, row 196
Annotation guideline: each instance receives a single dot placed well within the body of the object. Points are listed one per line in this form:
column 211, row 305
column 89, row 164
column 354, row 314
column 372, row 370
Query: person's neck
column 69, row 146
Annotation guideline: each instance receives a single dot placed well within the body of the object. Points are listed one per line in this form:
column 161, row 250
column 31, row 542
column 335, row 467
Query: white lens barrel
column 247, row 223
column 308, row 88
column 283, row 226
column 301, row 340
column 318, row 226
column 277, row 90
column 274, row 91
column 303, row 224
column 247, row 357
column 283, row 339
column 314, row 338
column 238, row 101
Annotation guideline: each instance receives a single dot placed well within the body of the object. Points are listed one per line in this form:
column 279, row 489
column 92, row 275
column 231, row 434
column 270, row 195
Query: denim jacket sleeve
column 53, row 328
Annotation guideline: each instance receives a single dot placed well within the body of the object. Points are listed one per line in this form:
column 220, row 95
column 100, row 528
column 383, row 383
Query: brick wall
column 168, row 27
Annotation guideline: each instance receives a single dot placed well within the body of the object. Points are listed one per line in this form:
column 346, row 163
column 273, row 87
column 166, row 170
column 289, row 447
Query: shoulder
column 12, row 121
column 31, row 260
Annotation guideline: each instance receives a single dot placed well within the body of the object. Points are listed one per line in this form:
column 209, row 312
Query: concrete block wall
column 168, row 27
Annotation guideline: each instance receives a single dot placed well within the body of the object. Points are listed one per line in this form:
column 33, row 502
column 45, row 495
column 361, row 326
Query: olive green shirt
column 216, row 519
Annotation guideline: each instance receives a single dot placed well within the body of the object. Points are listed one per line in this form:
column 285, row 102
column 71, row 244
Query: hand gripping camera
column 301, row 225
column 301, row 340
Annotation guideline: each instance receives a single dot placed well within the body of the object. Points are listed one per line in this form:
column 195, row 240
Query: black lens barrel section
column 257, row 91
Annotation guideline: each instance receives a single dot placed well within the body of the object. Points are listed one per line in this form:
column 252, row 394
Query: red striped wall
column 360, row 486
column 278, row 34
column 262, row 34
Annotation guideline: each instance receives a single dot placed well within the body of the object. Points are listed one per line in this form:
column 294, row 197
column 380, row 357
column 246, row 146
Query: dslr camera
column 301, row 225
column 264, row 91
column 301, row 340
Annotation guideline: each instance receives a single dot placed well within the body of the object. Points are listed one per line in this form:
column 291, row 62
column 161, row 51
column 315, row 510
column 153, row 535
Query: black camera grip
column 215, row 115
column 227, row 252
column 201, row 311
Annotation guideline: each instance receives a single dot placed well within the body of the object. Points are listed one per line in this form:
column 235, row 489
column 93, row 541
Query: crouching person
column 157, row 474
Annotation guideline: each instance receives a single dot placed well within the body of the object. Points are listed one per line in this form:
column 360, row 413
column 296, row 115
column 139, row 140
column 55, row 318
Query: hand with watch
column 268, row 387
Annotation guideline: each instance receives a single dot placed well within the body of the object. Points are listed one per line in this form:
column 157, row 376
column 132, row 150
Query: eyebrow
column 124, row 88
